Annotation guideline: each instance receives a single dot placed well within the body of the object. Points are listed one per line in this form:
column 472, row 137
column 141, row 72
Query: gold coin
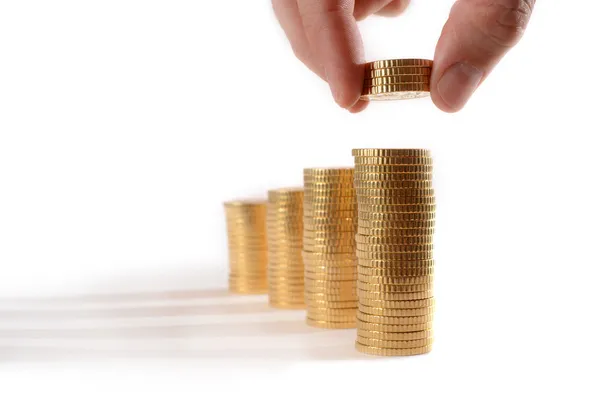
column 346, row 240
column 393, row 201
column 393, row 288
column 401, row 336
column 329, row 200
column 394, row 296
column 313, row 285
column 346, row 170
column 398, row 87
column 393, row 193
column 393, row 328
column 395, row 312
column 345, row 180
column 394, row 168
column 395, row 95
column 402, row 208
column 338, row 304
column 396, row 256
column 331, row 208
column 371, row 350
column 395, row 225
column 395, row 280
column 422, row 303
column 285, row 192
column 378, row 343
column 399, row 63
column 332, row 291
column 391, row 233
column 398, row 79
column 389, row 320
column 404, row 70
column 398, row 240
column 314, row 256
column 329, row 224
column 329, row 214
column 395, row 217
column 330, row 324
column 247, row 291
column 379, row 184
column 390, row 152
column 386, row 160
column 324, row 235
column 328, row 249
column 331, row 277
column 377, row 248
column 333, row 265
column 379, row 177
column 246, row 204
column 395, row 272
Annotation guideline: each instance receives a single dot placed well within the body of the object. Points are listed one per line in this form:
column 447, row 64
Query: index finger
column 335, row 41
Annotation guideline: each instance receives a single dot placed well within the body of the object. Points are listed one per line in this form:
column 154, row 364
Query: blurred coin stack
column 247, row 238
column 397, row 79
column 396, row 217
column 284, row 235
column 330, row 212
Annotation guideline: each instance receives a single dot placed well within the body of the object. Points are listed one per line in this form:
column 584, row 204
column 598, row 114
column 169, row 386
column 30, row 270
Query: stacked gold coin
column 284, row 236
column 330, row 212
column 397, row 79
column 247, row 238
column 396, row 217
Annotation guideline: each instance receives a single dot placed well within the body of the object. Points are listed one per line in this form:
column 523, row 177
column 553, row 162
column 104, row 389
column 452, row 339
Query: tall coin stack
column 247, row 238
column 284, row 235
column 330, row 212
column 397, row 79
column 396, row 217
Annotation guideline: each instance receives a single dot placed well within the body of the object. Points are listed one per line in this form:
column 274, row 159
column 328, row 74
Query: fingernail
column 458, row 84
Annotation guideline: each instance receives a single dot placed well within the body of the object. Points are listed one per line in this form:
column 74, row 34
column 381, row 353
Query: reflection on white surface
column 208, row 324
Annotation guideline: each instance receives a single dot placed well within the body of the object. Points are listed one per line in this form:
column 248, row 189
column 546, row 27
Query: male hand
column 324, row 36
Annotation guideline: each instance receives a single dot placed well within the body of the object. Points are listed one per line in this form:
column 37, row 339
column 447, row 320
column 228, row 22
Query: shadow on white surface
column 207, row 324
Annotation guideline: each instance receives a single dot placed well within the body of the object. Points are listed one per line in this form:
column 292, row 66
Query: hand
column 324, row 35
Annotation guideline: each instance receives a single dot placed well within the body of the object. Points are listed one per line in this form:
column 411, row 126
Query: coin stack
column 247, row 238
column 397, row 79
column 396, row 217
column 284, row 236
column 330, row 212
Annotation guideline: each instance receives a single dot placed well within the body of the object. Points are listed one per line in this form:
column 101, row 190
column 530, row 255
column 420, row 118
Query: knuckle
column 396, row 7
column 508, row 20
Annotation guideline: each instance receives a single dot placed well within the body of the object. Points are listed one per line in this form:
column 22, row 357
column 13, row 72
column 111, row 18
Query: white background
column 125, row 124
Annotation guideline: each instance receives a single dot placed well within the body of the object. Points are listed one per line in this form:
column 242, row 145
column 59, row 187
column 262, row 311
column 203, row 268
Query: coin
column 415, row 304
column 330, row 324
column 389, row 320
column 396, row 217
column 395, row 312
column 339, row 304
column 390, row 152
column 332, row 318
column 331, row 277
column 397, row 256
column 387, row 160
column 325, row 265
column 395, row 280
column 329, row 257
column 392, row 233
column 391, row 225
column 378, row 343
column 313, row 285
column 325, row 312
column 400, row 248
column 371, row 350
column 401, row 336
column 345, row 290
column 379, row 177
column 330, row 297
column 286, row 305
column 398, row 79
column 399, row 63
column 379, row 184
column 394, row 169
column 395, row 272
column 401, row 192
column 393, row 71
column 393, row 328
column 372, row 287
column 371, row 200
column 327, row 249
column 398, row 87
column 394, row 296
column 324, row 235
column 401, row 240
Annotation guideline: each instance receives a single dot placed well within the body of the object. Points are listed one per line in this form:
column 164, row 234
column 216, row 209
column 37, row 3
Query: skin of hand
column 324, row 35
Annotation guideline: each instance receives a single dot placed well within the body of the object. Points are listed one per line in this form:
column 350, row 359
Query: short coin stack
column 330, row 212
column 284, row 233
column 396, row 217
column 397, row 79
column 247, row 238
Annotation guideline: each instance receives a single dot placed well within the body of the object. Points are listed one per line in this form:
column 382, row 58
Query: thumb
column 475, row 38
